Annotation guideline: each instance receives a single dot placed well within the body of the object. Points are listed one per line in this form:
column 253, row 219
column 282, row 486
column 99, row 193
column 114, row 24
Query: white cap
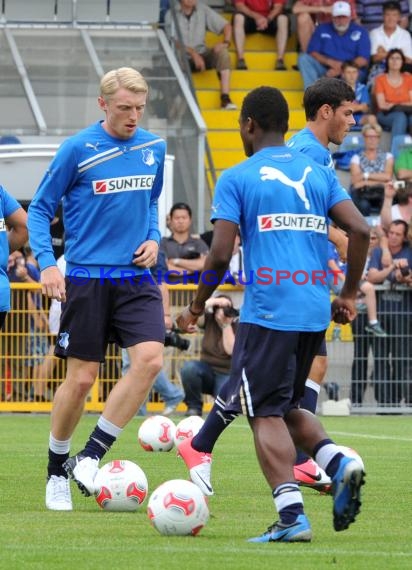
column 341, row 9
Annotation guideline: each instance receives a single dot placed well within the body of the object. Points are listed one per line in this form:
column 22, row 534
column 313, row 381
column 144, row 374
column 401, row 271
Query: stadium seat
column 399, row 142
column 134, row 11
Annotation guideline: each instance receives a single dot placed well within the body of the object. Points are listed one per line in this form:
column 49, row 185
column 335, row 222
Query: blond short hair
column 126, row 77
column 369, row 127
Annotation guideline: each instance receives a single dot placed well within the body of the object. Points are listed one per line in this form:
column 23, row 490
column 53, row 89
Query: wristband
column 227, row 42
column 176, row 261
column 366, row 175
column 194, row 313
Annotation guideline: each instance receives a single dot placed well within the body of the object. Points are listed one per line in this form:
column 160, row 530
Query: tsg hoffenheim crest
column 64, row 340
column 148, row 156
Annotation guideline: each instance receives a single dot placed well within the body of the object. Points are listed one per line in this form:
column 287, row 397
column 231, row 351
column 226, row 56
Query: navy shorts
column 269, row 370
column 111, row 310
column 322, row 351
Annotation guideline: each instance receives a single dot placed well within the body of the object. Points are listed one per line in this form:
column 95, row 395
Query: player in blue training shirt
column 282, row 200
column 13, row 235
column 328, row 111
column 109, row 177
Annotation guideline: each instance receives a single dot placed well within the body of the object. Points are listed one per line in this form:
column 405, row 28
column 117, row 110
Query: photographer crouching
column 207, row 375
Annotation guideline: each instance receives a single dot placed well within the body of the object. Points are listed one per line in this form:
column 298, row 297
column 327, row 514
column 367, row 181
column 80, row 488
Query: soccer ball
column 352, row 453
column 178, row 508
column 188, row 428
column 157, row 434
column 121, row 485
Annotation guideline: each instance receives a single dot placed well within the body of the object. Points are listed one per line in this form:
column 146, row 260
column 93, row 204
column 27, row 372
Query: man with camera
column 393, row 354
column 207, row 375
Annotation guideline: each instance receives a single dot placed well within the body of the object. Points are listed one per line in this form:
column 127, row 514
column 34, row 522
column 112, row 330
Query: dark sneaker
column 226, row 103
column 83, row 471
column 346, row 485
column 280, row 65
column 241, row 64
column 299, row 531
column 376, row 329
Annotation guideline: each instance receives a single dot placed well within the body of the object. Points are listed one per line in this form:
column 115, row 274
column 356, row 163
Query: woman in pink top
column 393, row 94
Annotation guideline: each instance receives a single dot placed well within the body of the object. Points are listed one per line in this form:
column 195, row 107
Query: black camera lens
column 230, row 312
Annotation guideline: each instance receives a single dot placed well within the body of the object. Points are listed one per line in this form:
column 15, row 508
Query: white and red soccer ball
column 187, row 428
column 157, row 433
column 178, row 508
column 121, row 485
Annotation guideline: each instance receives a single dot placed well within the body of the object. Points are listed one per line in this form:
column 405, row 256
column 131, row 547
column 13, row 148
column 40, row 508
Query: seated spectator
column 393, row 94
column 265, row 17
column 403, row 165
column 401, row 210
column 332, row 44
column 311, row 13
column 370, row 170
column 386, row 37
column 370, row 13
column 185, row 254
column 207, row 375
column 195, row 19
column 362, row 104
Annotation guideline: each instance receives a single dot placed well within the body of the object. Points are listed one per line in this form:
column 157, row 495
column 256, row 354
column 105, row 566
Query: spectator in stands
column 393, row 94
column 369, row 171
column 194, row 20
column 362, row 343
column 207, row 375
column 403, row 165
column 393, row 355
column 311, row 13
column 402, row 210
column 13, row 235
column 370, row 13
column 386, row 37
column 185, row 253
column 362, row 104
column 332, row 44
column 266, row 17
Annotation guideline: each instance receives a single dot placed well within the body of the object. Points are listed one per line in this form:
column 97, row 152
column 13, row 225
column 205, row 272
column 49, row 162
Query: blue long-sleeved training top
column 109, row 189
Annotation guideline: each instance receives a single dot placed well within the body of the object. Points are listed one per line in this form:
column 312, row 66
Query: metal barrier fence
column 374, row 375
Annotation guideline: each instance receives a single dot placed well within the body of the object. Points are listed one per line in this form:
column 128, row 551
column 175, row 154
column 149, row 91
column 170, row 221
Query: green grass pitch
column 88, row 538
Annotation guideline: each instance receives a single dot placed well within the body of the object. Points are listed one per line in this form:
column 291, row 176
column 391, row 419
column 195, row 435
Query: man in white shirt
column 389, row 36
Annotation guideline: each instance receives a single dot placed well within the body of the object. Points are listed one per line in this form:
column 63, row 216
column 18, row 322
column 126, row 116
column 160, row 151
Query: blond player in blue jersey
column 109, row 177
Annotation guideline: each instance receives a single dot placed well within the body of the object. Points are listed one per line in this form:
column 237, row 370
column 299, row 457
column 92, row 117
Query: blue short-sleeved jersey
column 110, row 189
column 306, row 142
column 280, row 199
column 8, row 205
